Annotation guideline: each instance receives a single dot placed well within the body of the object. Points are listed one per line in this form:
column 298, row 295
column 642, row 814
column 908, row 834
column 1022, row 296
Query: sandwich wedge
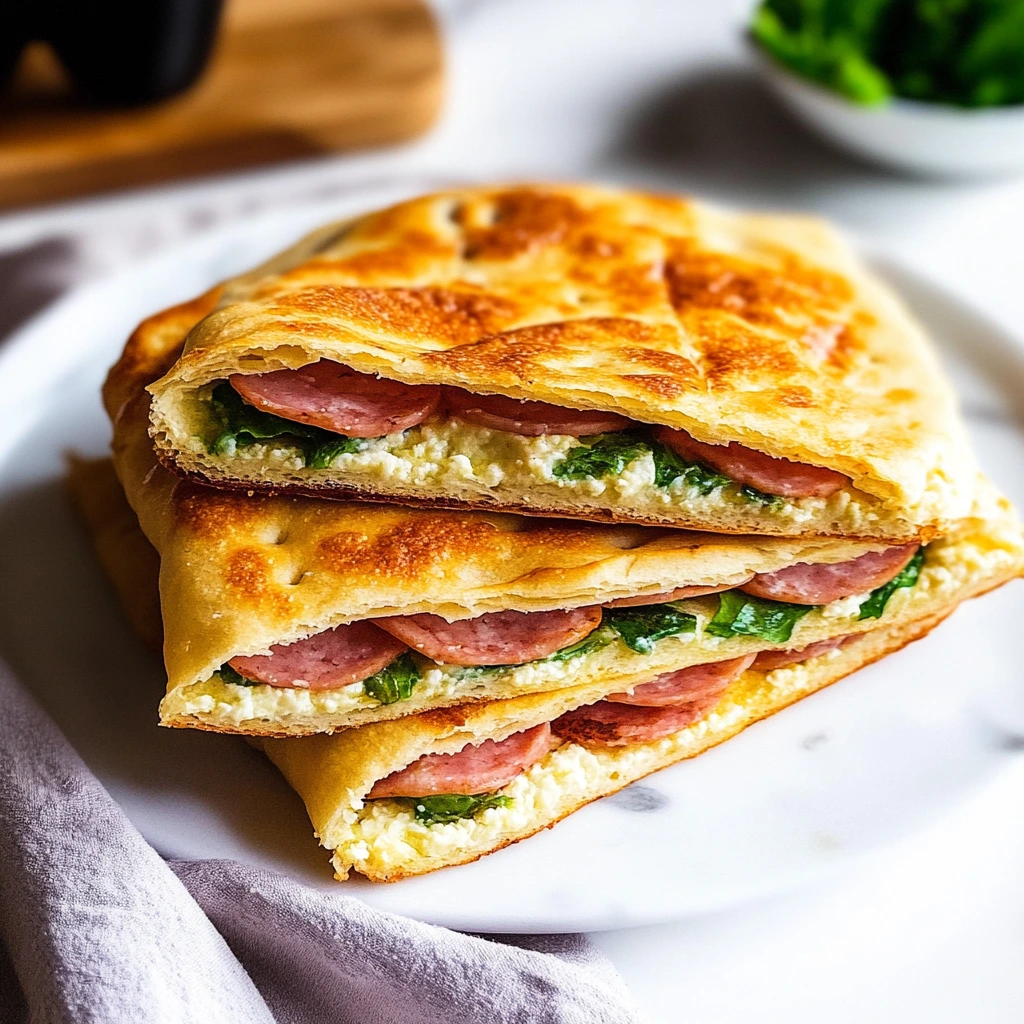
column 400, row 798
column 575, row 351
column 288, row 615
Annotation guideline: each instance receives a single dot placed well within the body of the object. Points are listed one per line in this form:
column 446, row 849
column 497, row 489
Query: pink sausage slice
column 605, row 724
column 498, row 638
column 673, row 595
column 766, row 661
column 337, row 398
column 698, row 682
column 804, row 583
column 531, row 419
column 746, row 466
column 474, row 769
column 326, row 661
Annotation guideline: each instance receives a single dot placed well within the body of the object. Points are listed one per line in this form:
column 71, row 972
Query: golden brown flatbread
column 761, row 330
column 382, row 838
column 240, row 574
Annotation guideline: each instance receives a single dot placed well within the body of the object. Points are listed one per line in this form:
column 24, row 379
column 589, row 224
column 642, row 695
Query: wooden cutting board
column 288, row 79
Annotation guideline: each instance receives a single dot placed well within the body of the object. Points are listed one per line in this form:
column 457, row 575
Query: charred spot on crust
column 609, row 342
column 795, row 397
column 407, row 256
column 442, row 720
column 407, row 549
column 432, row 315
column 731, row 353
column 517, row 223
column 250, row 574
column 211, row 515
column 765, row 292
column 773, row 314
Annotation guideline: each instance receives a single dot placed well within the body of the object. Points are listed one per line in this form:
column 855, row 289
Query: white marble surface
column 657, row 93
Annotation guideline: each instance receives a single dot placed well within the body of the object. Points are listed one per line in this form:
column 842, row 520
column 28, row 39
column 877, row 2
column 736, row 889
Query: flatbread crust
column 129, row 561
column 386, row 844
column 333, row 774
column 241, row 573
column 760, row 329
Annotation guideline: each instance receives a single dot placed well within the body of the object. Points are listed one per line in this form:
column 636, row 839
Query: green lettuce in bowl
column 931, row 86
column 966, row 53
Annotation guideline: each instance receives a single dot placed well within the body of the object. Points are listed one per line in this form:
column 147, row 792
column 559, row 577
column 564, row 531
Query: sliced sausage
column 672, row 595
column 531, row 419
column 326, row 661
column 498, row 638
column 337, row 398
column 766, row 661
column 747, row 466
column 474, row 769
column 605, row 724
column 698, row 682
column 804, row 583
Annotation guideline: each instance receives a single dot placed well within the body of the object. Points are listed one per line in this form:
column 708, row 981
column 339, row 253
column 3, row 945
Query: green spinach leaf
column 740, row 614
column 243, row 424
column 670, row 467
column 229, row 675
column 610, row 454
column 432, row 810
column 320, row 454
column 873, row 607
column 592, row 642
column 962, row 52
column 641, row 627
column 753, row 494
column 394, row 682
column 605, row 455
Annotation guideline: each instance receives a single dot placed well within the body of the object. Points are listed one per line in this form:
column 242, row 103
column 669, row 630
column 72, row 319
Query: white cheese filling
column 229, row 703
column 385, row 832
column 461, row 459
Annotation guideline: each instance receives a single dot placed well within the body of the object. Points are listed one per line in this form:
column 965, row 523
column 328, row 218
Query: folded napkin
column 96, row 927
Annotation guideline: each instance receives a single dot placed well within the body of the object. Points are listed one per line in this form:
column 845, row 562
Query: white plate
column 842, row 773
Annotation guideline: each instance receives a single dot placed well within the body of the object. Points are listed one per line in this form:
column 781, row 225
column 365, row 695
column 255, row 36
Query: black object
column 117, row 52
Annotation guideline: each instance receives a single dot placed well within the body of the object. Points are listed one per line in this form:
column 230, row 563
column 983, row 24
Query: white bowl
column 926, row 138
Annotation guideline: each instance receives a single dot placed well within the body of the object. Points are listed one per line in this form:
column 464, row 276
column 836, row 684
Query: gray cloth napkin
column 96, row 927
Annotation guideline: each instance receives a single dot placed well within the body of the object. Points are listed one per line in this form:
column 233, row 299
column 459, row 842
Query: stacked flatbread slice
column 516, row 384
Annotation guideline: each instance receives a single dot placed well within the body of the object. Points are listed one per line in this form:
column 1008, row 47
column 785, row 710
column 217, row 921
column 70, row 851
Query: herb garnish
column 641, row 627
column 394, row 682
column 873, row 607
column 740, row 614
column 432, row 810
